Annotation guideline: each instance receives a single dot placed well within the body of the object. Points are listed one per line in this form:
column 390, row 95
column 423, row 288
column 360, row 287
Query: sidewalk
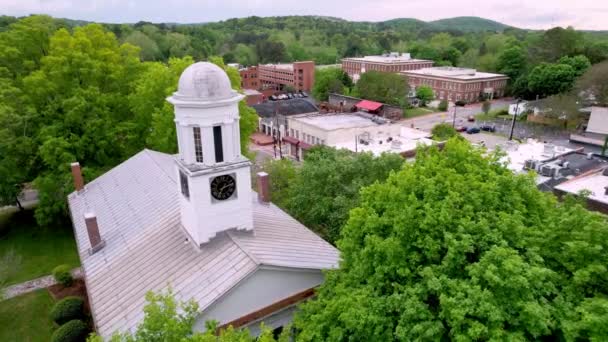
column 33, row 285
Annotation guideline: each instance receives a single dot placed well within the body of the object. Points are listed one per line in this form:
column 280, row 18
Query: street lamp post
column 514, row 117
column 454, row 119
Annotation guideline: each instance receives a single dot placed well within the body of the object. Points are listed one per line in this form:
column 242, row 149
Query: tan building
column 458, row 84
column 297, row 75
column 393, row 62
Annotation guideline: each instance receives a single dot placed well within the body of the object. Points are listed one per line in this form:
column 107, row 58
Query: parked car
column 290, row 95
column 304, row 93
column 299, row 95
column 283, row 97
column 461, row 128
column 488, row 128
column 473, row 130
column 272, row 98
column 471, row 118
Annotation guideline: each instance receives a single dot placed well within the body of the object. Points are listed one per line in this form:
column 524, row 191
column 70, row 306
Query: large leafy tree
column 327, row 186
column 595, row 83
column 579, row 63
column 79, row 110
column 330, row 80
column 512, row 62
column 549, row 79
column 382, row 87
column 457, row 247
column 425, row 94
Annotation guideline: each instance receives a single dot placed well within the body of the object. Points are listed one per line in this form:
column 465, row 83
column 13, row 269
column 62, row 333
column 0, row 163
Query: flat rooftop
column 331, row 122
column 595, row 182
column 284, row 66
column 408, row 140
column 395, row 59
column 517, row 154
column 452, row 72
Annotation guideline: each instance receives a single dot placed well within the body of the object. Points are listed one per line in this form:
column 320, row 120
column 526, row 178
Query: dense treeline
column 95, row 92
column 79, row 94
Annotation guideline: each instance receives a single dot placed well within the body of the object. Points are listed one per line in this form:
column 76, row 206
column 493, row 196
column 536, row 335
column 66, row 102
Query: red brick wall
column 352, row 67
column 250, row 78
column 454, row 90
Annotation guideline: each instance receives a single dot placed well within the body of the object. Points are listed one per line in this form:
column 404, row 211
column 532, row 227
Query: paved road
column 427, row 122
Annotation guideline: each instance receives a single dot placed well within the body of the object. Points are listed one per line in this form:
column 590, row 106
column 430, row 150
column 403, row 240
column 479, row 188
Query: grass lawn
column 26, row 317
column 37, row 250
column 417, row 111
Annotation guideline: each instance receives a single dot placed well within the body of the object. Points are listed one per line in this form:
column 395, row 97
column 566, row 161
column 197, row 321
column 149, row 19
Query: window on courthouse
column 198, row 147
column 183, row 181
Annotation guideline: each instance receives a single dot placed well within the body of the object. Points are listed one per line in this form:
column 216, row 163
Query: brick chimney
column 263, row 187
column 90, row 219
column 77, row 175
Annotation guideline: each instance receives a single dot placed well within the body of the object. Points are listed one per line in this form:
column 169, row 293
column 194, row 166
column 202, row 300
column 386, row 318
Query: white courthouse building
column 191, row 222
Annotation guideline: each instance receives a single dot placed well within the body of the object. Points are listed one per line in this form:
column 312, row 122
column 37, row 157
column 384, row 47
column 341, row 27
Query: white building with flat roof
column 353, row 131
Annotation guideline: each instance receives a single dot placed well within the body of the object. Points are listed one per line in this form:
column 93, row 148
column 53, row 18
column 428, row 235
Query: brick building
column 297, row 75
column 393, row 62
column 458, row 84
column 249, row 78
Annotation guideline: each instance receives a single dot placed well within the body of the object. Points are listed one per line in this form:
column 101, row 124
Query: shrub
column 443, row 105
column 443, row 132
column 67, row 309
column 62, row 275
column 73, row 331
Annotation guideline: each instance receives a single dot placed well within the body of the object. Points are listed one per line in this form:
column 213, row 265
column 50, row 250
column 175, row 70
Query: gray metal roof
column 285, row 107
column 137, row 210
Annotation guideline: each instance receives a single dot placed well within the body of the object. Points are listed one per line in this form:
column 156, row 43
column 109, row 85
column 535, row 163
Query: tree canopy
column 383, row 87
column 456, row 247
column 425, row 94
column 330, row 80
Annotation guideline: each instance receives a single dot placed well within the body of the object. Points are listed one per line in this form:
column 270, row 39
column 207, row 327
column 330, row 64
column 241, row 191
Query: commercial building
column 191, row 222
column 597, row 127
column 458, row 84
column 358, row 132
column 300, row 76
column 391, row 62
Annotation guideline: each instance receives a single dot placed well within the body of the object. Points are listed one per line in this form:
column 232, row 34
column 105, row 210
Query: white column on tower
column 208, row 146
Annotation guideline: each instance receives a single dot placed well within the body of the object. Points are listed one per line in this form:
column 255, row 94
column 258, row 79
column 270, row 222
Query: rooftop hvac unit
column 566, row 164
column 590, row 155
column 605, row 172
column 529, row 164
column 549, row 149
column 547, row 170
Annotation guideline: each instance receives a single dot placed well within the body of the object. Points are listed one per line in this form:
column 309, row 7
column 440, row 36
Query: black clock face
column 223, row 187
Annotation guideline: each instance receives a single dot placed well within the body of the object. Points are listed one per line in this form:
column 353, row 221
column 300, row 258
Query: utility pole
column 514, row 117
column 454, row 119
column 278, row 137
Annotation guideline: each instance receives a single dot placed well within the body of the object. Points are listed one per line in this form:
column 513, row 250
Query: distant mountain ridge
column 469, row 24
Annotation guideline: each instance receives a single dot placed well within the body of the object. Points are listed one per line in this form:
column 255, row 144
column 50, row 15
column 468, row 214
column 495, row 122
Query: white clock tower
column 214, row 177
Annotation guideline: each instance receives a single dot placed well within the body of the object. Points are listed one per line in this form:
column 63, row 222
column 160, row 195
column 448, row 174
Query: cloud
column 540, row 14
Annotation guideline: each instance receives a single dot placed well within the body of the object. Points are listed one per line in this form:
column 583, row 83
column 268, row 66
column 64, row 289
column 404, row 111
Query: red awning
column 291, row 140
column 369, row 105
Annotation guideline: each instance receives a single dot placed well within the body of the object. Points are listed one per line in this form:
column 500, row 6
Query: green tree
column 426, row 257
column 166, row 319
column 595, row 83
column 281, row 173
column 148, row 49
column 548, row 79
column 382, row 87
column 512, row 62
column 443, row 105
column 425, row 94
column 486, row 106
column 443, row 132
column 330, row 80
column 579, row 63
column 327, row 186
column 79, row 111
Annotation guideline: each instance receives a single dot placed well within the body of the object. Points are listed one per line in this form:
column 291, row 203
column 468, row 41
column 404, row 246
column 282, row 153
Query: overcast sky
column 537, row 14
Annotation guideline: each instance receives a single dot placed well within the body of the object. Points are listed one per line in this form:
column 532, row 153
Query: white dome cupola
column 204, row 81
column 213, row 176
